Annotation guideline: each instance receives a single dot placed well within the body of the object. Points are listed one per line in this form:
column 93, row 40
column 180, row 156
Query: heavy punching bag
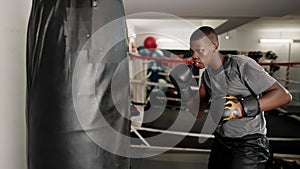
column 74, row 50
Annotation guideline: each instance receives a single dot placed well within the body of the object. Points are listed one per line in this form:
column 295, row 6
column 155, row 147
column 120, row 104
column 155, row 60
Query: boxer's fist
column 238, row 107
column 181, row 77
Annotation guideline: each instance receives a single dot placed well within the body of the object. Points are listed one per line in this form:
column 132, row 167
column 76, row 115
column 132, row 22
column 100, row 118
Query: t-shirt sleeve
column 256, row 77
column 202, row 83
column 205, row 83
column 205, row 79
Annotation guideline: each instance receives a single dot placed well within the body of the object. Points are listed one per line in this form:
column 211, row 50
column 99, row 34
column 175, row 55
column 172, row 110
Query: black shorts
column 248, row 152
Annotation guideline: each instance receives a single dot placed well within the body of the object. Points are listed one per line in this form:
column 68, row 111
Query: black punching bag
column 77, row 85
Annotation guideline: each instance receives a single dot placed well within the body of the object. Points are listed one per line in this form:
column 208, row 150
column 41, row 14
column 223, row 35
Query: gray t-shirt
column 240, row 76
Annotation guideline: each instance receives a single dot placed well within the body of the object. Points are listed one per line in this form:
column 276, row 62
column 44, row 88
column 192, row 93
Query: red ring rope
column 187, row 61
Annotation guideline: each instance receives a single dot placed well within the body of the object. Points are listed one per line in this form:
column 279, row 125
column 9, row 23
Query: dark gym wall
column 57, row 31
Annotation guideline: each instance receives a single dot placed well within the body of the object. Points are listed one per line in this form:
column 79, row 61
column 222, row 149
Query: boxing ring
column 139, row 80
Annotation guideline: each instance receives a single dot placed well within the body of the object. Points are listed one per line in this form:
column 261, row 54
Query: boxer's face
column 203, row 50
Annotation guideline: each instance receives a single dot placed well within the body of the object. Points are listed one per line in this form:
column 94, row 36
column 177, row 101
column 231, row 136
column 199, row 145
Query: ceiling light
column 166, row 40
column 227, row 37
column 276, row 41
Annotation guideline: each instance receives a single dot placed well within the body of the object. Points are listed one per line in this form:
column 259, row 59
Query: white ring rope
column 203, row 135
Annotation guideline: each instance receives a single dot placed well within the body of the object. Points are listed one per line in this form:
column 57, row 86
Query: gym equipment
column 156, row 53
column 271, row 55
column 256, row 55
column 143, row 51
column 181, row 77
column 69, row 97
column 150, row 43
column 237, row 107
column 271, row 58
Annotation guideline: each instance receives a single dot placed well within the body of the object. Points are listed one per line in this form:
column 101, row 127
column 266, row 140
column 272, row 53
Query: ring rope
column 188, row 61
column 162, row 59
column 203, row 135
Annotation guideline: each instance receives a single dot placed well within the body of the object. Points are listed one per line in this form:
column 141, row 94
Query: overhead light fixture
column 227, row 37
column 276, row 40
column 166, row 40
